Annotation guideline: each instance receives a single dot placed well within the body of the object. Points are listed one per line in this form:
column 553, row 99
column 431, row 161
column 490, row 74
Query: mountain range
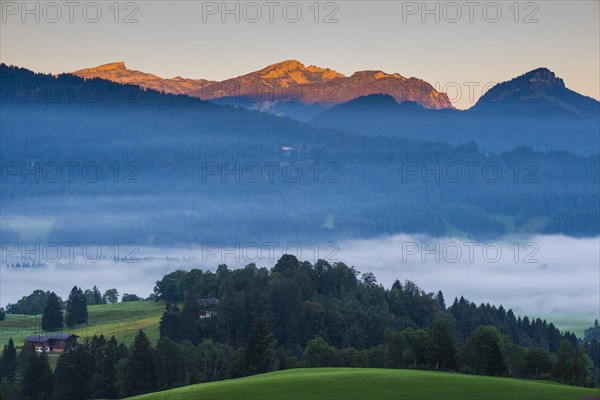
column 305, row 93
column 535, row 109
column 286, row 88
column 353, row 159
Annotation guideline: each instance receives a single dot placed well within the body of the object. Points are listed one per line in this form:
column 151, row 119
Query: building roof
column 61, row 336
column 53, row 336
column 207, row 302
column 36, row 339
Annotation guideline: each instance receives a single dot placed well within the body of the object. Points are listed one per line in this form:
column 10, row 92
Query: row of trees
column 53, row 317
column 485, row 353
column 76, row 313
column 36, row 302
column 100, row 368
column 85, row 371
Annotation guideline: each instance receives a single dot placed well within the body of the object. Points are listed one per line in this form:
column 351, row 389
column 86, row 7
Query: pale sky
column 474, row 44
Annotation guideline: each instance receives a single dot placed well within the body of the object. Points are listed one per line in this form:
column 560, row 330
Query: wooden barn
column 207, row 308
column 53, row 343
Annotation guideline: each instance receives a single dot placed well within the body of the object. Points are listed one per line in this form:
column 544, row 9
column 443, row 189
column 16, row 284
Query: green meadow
column 372, row 384
column 121, row 320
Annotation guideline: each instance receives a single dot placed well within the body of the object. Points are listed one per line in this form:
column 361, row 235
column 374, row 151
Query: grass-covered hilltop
column 298, row 331
column 372, row 384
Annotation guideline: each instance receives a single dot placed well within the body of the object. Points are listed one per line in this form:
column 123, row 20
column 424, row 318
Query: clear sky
column 472, row 44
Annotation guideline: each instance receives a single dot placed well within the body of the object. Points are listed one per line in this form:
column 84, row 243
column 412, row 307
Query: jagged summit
column 297, row 72
column 375, row 75
column 538, row 76
column 287, row 64
column 543, row 75
column 534, row 78
column 115, row 66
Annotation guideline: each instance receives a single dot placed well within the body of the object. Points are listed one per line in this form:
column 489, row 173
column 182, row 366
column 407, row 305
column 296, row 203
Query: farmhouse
column 53, row 343
column 207, row 308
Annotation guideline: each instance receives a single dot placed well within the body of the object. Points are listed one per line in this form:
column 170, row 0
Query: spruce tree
column 169, row 324
column 73, row 374
column 36, row 375
column 77, row 313
column 104, row 380
column 8, row 362
column 97, row 296
column 260, row 357
column 171, row 364
column 140, row 371
column 188, row 323
column 52, row 319
column 440, row 298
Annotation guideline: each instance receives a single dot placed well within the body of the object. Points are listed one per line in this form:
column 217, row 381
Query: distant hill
column 537, row 93
column 535, row 109
column 592, row 332
column 372, row 384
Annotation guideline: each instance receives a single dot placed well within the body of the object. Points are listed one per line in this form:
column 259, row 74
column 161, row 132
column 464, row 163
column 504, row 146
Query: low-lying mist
column 555, row 277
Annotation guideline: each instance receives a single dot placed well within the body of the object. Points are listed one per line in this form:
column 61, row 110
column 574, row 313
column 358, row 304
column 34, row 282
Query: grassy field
column 31, row 229
column 372, row 384
column 121, row 320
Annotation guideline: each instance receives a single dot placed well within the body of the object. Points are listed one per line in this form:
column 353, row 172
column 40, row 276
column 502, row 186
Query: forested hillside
column 326, row 315
column 535, row 109
column 178, row 168
column 235, row 323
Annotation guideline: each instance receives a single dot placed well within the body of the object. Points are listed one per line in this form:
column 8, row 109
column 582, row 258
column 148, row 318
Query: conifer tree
column 52, row 319
column 259, row 353
column 73, row 374
column 77, row 313
column 140, row 371
column 36, row 375
column 8, row 361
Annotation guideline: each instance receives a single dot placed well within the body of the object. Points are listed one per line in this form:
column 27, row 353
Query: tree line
column 36, row 303
column 358, row 319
